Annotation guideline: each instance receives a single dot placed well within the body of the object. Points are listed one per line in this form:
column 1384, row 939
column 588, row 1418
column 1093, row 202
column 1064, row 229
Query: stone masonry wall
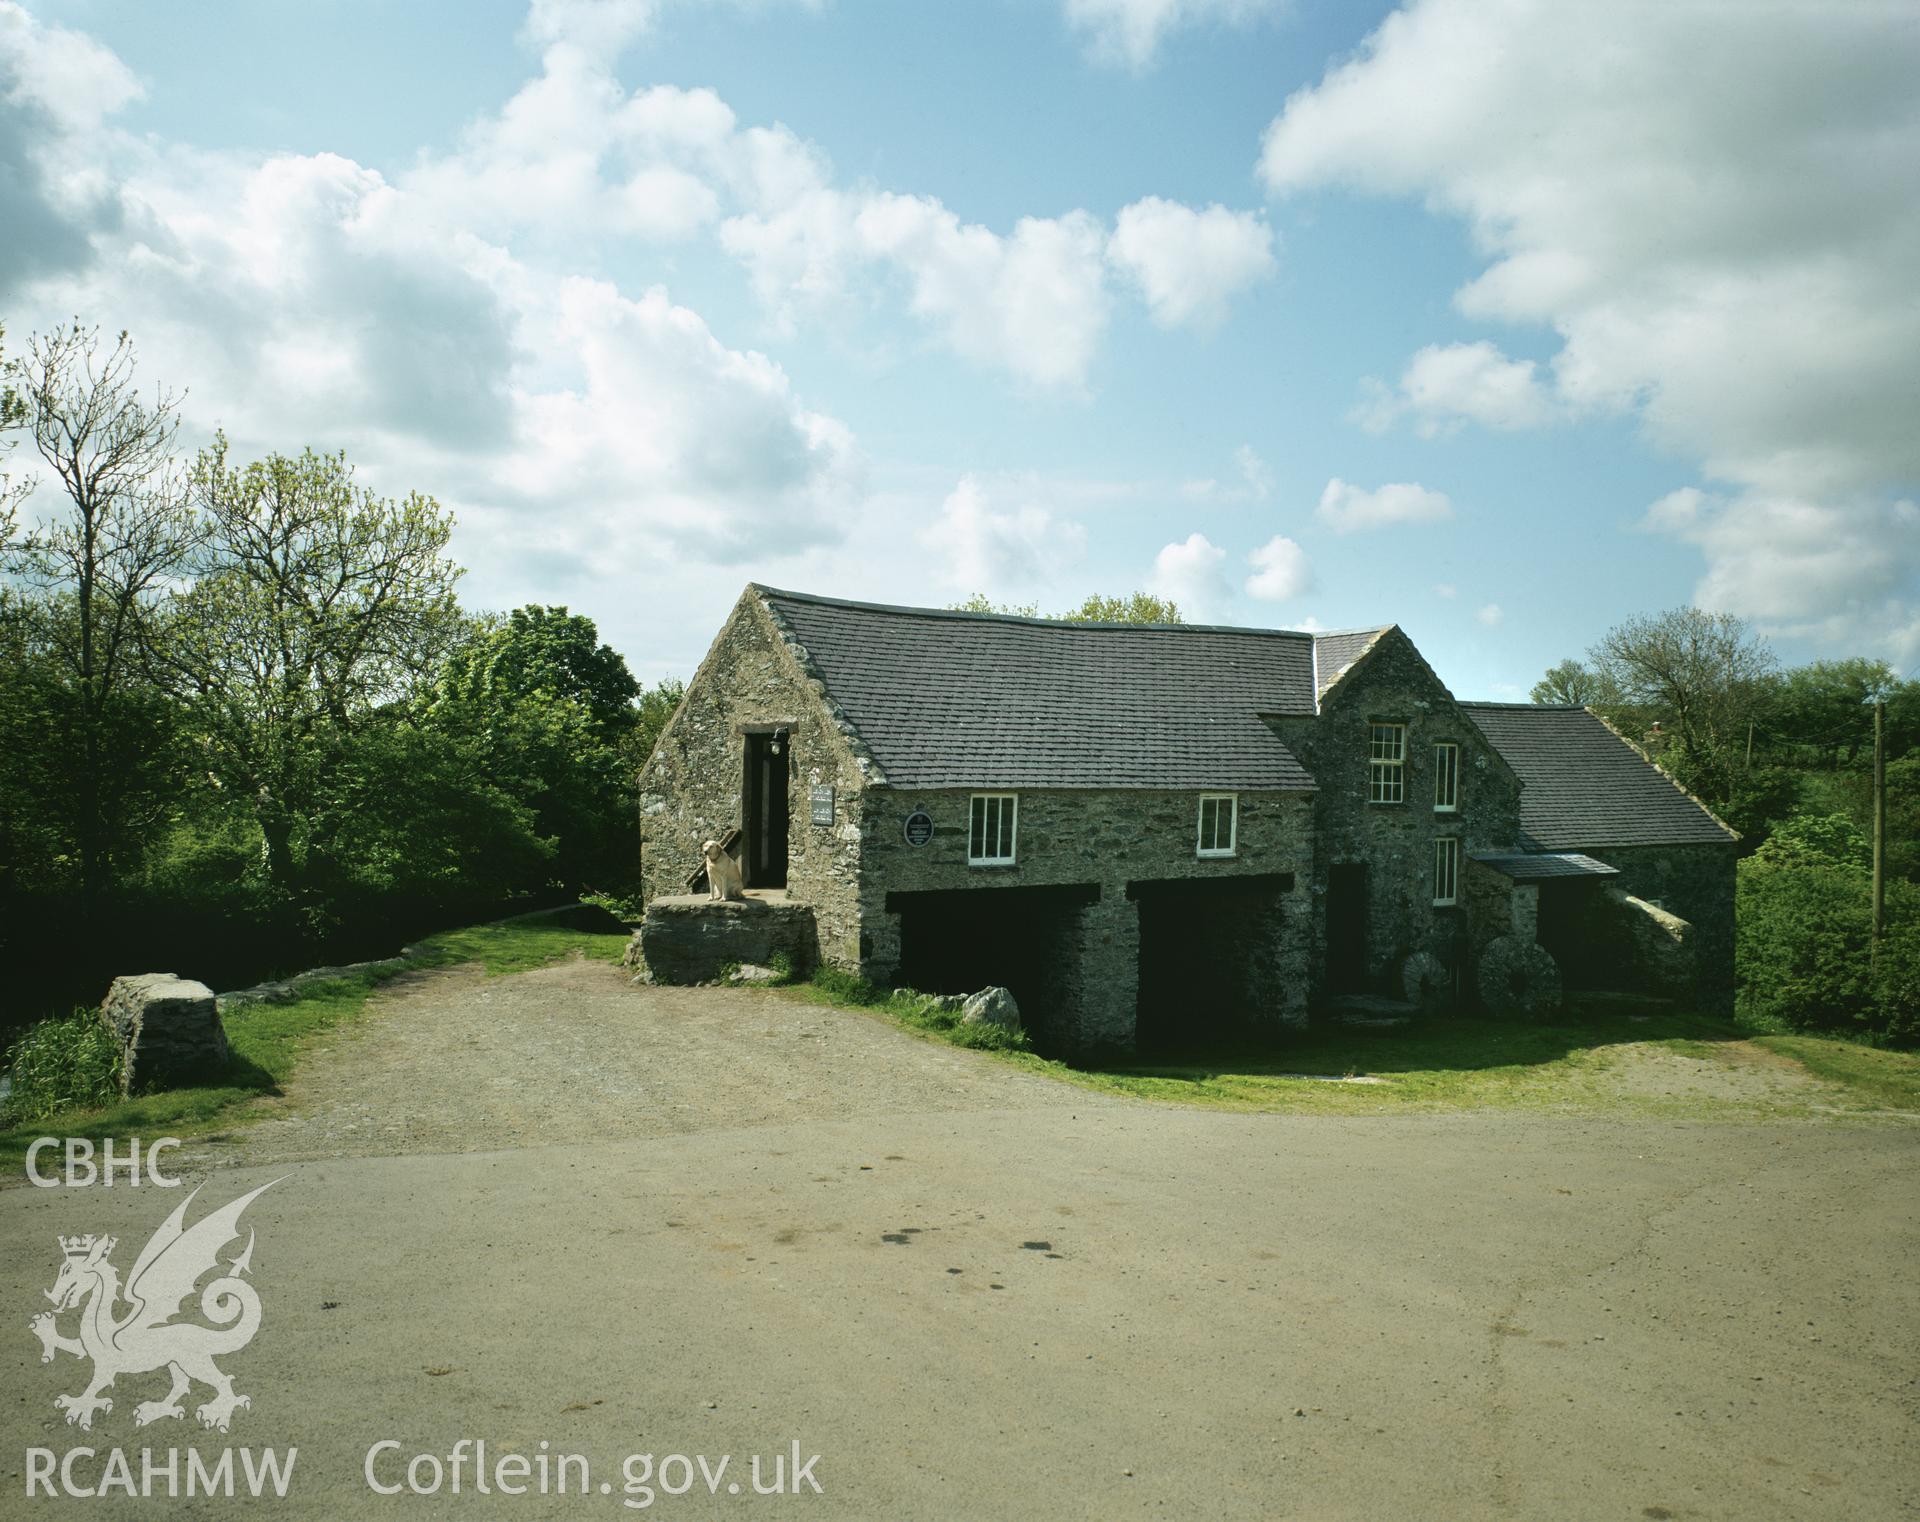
column 1394, row 685
column 1696, row 883
column 690, row 789
column 1108, row 838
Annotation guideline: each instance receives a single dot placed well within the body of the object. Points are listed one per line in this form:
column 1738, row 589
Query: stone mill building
column 1149, row 832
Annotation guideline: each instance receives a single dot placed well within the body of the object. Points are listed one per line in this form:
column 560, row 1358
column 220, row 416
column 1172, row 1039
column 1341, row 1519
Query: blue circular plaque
column 918, row 828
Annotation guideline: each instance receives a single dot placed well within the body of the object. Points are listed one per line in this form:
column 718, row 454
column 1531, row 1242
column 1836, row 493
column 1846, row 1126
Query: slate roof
column 1335, row 651
column 946, row 699
column 1585, row 787
column 1537, row 866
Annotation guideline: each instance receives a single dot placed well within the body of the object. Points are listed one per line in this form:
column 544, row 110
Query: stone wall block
column 168, row 1028
column 694, row 940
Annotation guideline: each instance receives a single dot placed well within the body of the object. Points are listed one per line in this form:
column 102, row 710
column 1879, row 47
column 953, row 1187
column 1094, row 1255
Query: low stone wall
column 1696, row 883
column 1646, row 949
column 686, row 939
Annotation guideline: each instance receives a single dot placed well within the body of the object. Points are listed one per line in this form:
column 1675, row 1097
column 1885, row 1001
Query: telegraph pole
column 1879, row 824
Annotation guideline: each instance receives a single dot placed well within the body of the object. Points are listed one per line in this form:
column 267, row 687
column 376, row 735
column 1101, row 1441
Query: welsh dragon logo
column 145, row 1336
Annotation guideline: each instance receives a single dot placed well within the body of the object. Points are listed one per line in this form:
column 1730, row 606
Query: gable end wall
column 1392, row 682
column 690, row 788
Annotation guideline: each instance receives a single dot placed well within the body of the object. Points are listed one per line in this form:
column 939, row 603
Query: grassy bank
column 1591, row 1060
column 268, row 1040
column 1595, row 1058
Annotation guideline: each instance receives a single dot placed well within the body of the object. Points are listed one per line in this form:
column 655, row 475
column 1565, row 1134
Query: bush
column 1897, row 981
column 1803, row 945
column 66, row 1062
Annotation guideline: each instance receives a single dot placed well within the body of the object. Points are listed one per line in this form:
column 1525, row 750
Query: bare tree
column 101, row 562
column 1701, row 673
column 12, row 413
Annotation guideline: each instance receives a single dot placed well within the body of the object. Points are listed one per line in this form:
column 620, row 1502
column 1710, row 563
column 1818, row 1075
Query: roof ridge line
column 1035, row 621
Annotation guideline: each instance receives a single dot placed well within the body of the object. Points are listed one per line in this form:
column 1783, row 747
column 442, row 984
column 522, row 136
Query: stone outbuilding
column 1148, row 832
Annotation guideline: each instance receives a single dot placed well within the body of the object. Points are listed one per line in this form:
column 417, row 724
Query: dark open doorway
column 1023, row 939
column 1347, row 927
column 1208, row 950
column 763, row 811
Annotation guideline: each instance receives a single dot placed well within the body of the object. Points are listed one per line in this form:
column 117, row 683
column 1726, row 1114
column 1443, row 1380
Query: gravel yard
column 455, row 1061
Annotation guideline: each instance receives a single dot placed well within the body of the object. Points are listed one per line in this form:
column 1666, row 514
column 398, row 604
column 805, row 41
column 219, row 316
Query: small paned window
column 1446, row 870
column 1446, row 777
column 1387, row 763
column 992, row 828
column 1219, row 824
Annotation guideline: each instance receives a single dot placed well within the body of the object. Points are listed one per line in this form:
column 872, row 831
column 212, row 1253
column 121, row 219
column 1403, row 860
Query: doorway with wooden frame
column 765, row 808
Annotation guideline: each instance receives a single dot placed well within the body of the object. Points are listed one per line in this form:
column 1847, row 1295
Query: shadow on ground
column 1436, row 1044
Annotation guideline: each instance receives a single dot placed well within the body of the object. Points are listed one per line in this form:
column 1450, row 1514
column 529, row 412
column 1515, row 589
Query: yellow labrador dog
column 723, row 873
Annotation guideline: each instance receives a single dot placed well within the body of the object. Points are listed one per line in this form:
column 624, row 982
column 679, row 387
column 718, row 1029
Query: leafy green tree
column 413, row 818
column 981, row 603
column 316, row 605
column 1133, row 608
column 536, row 649
column 1825, row 708
column 552, row 710
column 655, row 707
column 1695, row 685
column 97, row 568
column 1569, row 682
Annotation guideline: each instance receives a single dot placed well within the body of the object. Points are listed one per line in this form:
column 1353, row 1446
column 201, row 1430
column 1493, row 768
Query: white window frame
column 1006, row 829
column 1232, row 847
column 1386, row 771
column 1446, row 871
column 1446, row 769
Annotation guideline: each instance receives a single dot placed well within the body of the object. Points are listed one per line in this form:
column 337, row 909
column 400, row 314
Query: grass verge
column 269, row 1039
column 1890, row 1077
column 917, row 1011
column 1679, row 1066
column 1599, row 1058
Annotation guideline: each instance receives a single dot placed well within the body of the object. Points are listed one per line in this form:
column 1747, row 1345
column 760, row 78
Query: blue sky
column 1501, row 320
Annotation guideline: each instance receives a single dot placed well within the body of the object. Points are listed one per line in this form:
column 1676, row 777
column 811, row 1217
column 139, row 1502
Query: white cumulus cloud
column 984, row 548
column 1819, row 569
column 576, row 428
column 1281, row 570
column 1719, row 223
column 1490, row 614
column 1348, row 509
column 1188, row 264
column 1192, row 572
column 1034, row 301
column 1446, row 385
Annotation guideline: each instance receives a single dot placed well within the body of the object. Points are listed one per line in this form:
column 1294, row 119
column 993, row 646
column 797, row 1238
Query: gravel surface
column 455, row 1061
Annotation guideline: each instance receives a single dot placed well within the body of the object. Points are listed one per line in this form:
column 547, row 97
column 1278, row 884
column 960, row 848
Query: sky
column 1500, row 320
